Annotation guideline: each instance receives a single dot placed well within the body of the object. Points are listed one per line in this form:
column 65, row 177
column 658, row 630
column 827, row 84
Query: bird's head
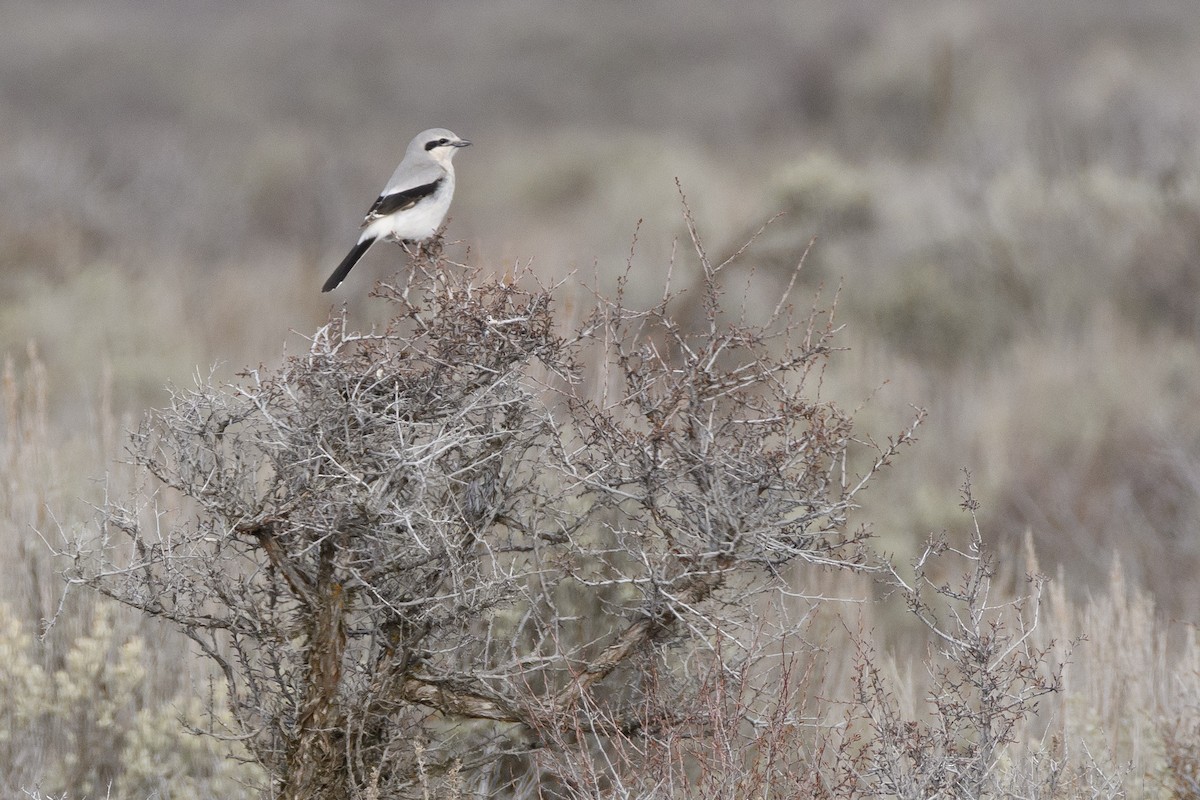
column 439, row 143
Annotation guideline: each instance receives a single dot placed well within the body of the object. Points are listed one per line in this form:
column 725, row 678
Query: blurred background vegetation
column 1008, row 195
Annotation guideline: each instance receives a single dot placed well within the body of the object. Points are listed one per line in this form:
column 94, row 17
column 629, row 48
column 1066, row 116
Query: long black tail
column 347, row 264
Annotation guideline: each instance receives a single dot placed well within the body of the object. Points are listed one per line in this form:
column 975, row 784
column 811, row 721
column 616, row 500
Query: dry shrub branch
column 988, row 668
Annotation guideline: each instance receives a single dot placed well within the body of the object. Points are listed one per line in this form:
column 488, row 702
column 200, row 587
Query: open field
column 1007, row 195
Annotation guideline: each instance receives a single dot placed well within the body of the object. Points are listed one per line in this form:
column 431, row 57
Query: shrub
column 471, row 553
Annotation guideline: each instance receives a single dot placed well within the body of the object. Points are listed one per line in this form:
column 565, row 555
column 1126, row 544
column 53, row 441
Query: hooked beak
column 461, row 143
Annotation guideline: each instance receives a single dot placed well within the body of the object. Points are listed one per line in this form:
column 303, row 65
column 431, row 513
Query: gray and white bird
column 414, row 203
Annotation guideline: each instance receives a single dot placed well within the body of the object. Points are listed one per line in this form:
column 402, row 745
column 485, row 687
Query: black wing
column 398, row 201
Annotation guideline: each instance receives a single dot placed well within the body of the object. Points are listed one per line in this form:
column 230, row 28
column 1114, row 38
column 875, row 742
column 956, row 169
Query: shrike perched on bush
column 415, row 201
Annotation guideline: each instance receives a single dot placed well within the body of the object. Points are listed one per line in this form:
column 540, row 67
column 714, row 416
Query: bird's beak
column 461, row 143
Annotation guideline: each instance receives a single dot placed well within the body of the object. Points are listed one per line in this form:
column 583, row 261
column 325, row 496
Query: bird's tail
column 347, row 264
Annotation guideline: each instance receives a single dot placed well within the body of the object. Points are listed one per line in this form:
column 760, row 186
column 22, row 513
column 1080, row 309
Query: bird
column 415, row 200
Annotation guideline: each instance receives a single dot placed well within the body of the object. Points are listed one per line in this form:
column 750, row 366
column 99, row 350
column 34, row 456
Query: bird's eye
column 443, row 141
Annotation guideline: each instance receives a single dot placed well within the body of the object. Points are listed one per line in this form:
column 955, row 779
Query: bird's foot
column 431, row 249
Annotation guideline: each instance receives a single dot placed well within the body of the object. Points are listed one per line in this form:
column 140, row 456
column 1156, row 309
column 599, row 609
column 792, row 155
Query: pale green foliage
column 101, row 673
column 162, row 756
column 97, row 731
column 23, row 684
column 824, row 185
column 95, row 699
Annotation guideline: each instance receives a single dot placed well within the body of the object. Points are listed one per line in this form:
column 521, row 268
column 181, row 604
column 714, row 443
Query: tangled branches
column 472, row 550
